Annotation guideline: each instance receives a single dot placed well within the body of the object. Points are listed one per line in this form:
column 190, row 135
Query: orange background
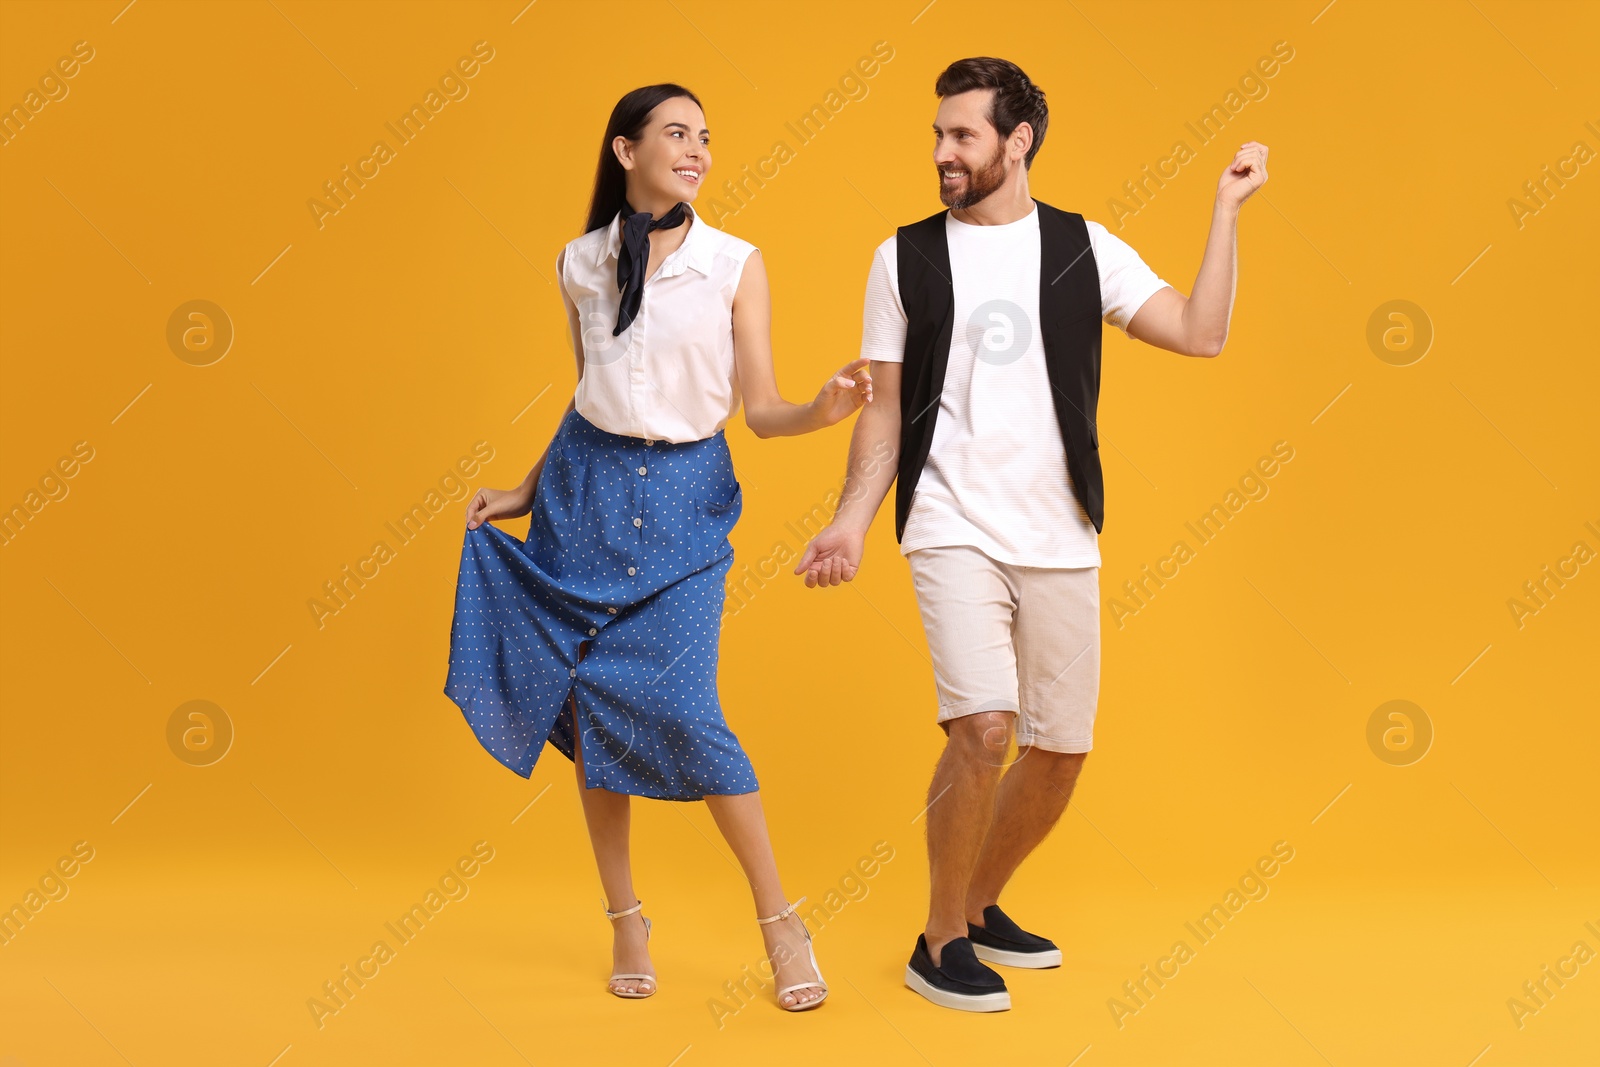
column 371, row 353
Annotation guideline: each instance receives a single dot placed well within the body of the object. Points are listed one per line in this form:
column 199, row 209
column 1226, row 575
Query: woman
column 609, row 614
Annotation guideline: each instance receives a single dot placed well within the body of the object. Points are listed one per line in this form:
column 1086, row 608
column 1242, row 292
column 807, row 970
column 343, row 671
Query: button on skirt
column 625, row 562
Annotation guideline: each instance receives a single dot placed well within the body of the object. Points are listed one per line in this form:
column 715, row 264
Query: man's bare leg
column 961, row 802
column 1030, row 799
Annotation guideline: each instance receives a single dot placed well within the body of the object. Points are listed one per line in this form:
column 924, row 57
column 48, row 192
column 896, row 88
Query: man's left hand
column 1246, row 174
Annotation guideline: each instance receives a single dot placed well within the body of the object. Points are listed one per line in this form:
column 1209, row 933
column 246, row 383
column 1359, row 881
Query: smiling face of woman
column 670, row 160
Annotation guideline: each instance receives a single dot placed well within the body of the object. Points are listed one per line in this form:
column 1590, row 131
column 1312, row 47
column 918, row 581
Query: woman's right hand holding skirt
column 489, row 504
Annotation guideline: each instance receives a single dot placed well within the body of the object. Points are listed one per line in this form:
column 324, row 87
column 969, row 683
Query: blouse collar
column 694, row 252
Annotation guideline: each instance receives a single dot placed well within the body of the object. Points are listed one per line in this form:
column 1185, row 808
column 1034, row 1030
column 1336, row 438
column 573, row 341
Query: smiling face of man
column 971, row 157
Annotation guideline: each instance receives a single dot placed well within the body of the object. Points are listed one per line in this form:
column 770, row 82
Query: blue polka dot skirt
column 615, row 599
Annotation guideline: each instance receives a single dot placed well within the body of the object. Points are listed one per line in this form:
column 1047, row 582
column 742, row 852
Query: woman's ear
column 624, row 151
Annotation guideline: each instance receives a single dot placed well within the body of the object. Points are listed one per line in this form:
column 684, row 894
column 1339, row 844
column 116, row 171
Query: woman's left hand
column 845, row 392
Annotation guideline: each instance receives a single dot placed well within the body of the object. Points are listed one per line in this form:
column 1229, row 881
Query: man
column 983, row 326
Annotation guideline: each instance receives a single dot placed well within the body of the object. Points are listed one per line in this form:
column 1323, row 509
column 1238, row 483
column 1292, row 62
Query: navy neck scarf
column 633, row 258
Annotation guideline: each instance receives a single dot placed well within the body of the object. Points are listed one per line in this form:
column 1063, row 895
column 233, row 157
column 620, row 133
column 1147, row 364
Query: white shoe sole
column 1036, row 960
column 980, row 1002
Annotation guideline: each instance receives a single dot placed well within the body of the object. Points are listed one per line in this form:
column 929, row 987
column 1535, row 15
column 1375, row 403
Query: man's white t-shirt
column 996, row 475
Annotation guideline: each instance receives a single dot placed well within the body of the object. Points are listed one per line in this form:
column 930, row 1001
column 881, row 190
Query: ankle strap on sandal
column 619, row 914
column 784, row 914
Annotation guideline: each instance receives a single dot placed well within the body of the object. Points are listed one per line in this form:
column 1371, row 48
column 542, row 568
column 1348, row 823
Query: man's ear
column 1022, row 135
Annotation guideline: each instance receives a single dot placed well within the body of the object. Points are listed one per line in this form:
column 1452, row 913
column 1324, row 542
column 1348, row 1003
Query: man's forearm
column 1205, row 317
column 874, row 461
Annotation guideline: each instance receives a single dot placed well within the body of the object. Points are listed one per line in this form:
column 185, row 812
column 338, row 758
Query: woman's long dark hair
column 627, row 120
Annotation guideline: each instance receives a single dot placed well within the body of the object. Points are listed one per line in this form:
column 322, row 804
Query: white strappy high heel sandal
column 799, row 1005
column 634, row 994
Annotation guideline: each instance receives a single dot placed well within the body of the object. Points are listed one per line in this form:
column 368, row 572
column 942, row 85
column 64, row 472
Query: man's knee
column 1062, row 767
column 983, row 733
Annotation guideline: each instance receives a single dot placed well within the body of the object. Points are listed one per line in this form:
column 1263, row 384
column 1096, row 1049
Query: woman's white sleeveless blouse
column 670, row 376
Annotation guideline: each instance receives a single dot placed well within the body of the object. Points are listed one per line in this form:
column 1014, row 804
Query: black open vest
column 1069, row 309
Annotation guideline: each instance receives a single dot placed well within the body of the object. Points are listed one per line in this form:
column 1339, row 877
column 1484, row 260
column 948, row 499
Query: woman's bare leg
column 744, row 826
column 607, row 814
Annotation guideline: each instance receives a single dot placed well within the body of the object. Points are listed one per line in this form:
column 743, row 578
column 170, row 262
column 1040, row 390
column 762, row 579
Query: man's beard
column 980, row 183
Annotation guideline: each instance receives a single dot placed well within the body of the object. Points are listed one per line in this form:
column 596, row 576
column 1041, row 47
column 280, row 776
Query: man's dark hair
column 1016, row 99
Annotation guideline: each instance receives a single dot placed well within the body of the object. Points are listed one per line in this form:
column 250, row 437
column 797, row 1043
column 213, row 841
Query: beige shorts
column 1010, row 638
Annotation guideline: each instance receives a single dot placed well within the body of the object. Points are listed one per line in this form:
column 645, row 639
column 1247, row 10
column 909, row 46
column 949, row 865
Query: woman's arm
column 575, row 329
column 488, row 503
column 766, row 412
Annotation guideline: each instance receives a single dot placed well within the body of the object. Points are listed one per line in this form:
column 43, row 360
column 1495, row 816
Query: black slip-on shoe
column 999, row 940
column 959, row 981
